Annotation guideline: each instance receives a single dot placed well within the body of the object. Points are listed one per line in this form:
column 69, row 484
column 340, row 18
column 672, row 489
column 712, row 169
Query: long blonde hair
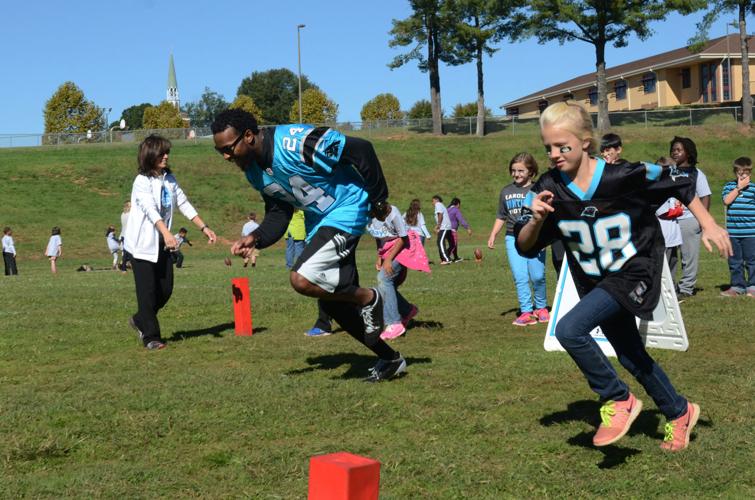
column 573, row 118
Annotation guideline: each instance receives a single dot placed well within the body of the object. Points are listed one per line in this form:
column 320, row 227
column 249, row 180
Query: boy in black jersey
column 604, row 214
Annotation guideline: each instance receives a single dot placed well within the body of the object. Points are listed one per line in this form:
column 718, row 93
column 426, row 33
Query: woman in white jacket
column 148, row 239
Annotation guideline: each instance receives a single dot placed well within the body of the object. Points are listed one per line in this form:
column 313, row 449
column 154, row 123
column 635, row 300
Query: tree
column 203, row 112
column 247, row 104
column 382, row 107
column 599, row 23
column 164, row 115
column 274, row 91
column 716, row 9
column 480, row 23
column 315, row 107
column 426, row 27
column 134, row 116
column 421, row 109
column 68, row 111
column 470, row 109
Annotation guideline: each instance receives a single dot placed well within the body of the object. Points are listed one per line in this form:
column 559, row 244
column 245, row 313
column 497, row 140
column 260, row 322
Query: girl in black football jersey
column 604, row 214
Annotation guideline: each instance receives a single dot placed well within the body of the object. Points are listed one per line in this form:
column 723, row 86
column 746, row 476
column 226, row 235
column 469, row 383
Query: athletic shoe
column 731, row 292
column 457, row 259
column 154, row 345
column 132, row 324
column 525, row 319
column 678, row 431
column 410, row 315
column 542, row 315
column 393, row 331
column 317, row 332
column 616, row 417
column 372, row 314
column 750, row 294
column 385, row 370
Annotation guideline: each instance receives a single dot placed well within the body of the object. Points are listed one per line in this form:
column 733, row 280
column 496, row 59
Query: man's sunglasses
column 228, row 150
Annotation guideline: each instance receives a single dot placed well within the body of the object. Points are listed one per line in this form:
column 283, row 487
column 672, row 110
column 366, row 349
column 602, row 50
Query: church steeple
column 172, row 95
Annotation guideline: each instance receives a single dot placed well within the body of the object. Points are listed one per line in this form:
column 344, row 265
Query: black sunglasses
column 228, row 150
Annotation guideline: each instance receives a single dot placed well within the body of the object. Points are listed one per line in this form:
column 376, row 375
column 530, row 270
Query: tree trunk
column 480, row 87
column 746, row 95
column 604, row 123
column 432, row 66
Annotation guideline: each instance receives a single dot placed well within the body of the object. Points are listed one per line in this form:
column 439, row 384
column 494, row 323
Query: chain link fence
column 454, row 126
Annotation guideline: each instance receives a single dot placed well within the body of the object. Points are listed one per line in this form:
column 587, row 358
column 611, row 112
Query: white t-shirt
column 672, row 233
column 445, row 224
column 391, row 228
column 53, row 246
column 112, row 242
column 701, row 189
column 8, row 246
column 248, row 228
column 420, row 228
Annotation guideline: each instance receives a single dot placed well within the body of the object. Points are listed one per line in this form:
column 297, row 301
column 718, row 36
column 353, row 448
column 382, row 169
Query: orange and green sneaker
column 677, row 431
column 615, row 419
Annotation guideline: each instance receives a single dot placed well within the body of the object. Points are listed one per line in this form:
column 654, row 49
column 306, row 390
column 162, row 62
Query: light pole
column 298, row 46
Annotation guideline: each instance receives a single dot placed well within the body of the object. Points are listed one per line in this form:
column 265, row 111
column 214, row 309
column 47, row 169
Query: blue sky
column 117, row 53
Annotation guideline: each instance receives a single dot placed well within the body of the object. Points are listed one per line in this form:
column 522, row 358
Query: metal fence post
column 690, row 117
column 646, row 119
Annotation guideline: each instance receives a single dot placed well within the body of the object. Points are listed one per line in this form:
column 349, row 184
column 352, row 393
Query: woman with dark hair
column 684, row 153
column 148, row 239
column 457, row 219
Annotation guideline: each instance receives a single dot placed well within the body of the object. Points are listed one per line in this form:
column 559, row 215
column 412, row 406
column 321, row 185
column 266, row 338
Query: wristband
column 201, row 229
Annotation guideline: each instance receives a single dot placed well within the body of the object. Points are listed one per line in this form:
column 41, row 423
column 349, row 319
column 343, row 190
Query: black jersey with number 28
column 613, row 238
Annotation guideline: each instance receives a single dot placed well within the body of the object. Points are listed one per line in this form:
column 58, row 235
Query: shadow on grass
column 509, row 311
column 358, row 364
column 430, row 325
column 215, row 331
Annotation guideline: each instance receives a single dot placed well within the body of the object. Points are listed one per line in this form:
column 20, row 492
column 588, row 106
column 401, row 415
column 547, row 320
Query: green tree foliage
column 426, row 28
column 715, row 10
column 469, row 109
column 134, row 116
column 382, row 107
column 274, row 91
column 599, row 23
column 164, row 115
column 247, row 104
column 421, row 109
column 479, row 25
column 315, row 107
column 68, row 111
column 204, row 111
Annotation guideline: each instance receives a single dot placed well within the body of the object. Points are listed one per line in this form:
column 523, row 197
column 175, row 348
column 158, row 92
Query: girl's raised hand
column 542, row 205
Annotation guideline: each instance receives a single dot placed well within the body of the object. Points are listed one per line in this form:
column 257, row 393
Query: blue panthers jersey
column 304, row 174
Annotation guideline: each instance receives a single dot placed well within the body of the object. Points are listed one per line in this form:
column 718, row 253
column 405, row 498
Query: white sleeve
column 145, row 200
column 702, row 187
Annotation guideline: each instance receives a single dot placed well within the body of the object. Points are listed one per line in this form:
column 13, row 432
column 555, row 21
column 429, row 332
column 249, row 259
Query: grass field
column 484, row 412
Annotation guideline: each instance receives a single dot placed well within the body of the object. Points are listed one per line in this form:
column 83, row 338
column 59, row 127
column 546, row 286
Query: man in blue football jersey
column 338, row 182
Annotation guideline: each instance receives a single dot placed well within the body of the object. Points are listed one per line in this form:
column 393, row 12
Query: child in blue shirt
column 739, row 198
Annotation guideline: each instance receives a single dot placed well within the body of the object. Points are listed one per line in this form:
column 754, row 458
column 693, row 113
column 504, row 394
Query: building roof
column 713, row 49
column 172, row 84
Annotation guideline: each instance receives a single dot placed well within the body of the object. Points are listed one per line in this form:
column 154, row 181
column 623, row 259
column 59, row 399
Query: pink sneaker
column 524, row 319
column 616, row 418
column 542, row 315
column 393, row 331
column 678, row 431
column 410, row 315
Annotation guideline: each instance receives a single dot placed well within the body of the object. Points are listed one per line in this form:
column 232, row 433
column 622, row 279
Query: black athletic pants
column 154, row 286
column 10, row 263
column 323, row 319
column 445, row 244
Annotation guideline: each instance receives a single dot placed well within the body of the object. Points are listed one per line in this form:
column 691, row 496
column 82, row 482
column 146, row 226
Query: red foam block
column 242, row 307
column 343, row 476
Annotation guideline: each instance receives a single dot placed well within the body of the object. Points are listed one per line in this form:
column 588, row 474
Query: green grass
column 483, row 413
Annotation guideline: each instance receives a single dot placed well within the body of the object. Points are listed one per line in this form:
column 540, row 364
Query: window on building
column 708, row 82
column 512, row 111
column 593, row 96
column 542, row 104
column 726, row 90
column 620, row 88
column 686, row 78
column 648, row 83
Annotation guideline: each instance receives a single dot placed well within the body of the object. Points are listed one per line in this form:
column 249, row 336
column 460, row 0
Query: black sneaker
column 372, row 315
column 132, row 324
column 154, row 345
column 385, row 370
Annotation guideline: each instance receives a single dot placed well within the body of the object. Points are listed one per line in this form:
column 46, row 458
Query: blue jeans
column 294, row 248
column 524, row 271
column 599, row 308
column 394, row 304
column 744, row 257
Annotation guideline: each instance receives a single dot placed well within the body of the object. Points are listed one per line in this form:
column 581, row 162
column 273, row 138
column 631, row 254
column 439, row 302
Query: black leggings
column 154, row 286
